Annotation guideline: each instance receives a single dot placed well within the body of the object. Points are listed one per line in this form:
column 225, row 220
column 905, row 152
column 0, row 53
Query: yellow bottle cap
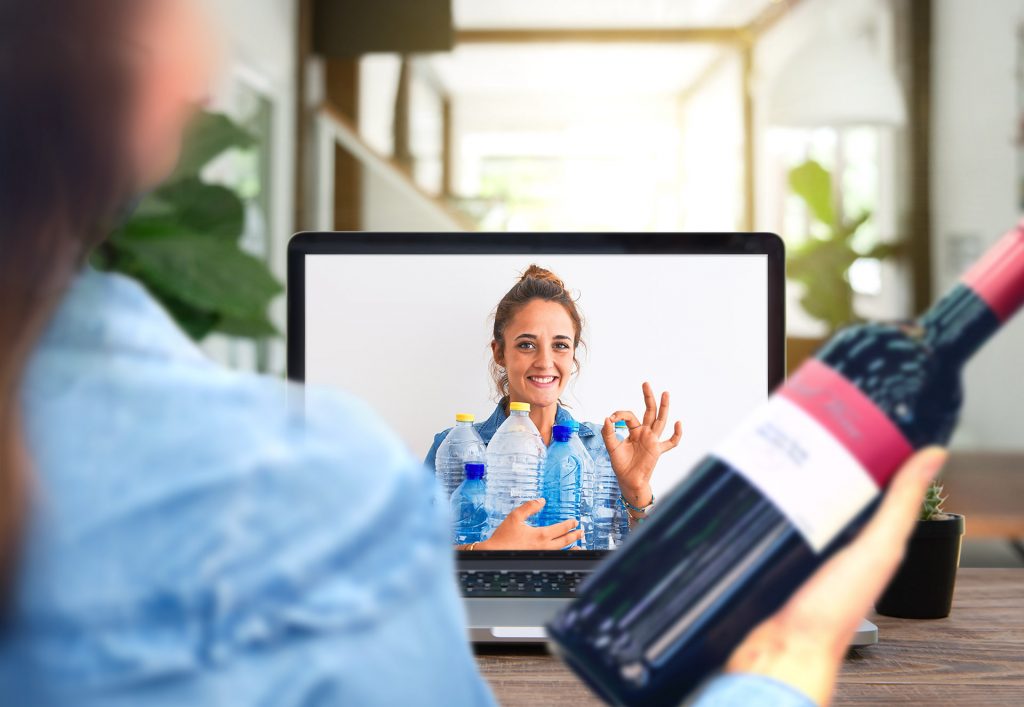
column 464, row 417
column 519, row 407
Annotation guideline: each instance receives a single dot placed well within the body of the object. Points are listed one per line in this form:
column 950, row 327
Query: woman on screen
column 537, row 332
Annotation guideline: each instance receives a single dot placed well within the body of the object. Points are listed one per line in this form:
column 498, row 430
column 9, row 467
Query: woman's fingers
column 530, row 508
column 566, row 540
column 844, row 589
column 632, row 422
column 661, row 413
column 557, row 530
column 804, row 643
column 611, row 442
column 673, row 441
column 650, row 405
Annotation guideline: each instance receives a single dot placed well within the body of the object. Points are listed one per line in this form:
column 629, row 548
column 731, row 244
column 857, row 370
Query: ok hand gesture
column 634, row 458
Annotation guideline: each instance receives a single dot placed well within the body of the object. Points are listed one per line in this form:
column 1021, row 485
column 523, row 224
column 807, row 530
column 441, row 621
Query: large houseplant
column 183, row 244
column 821, row 264
column 923, row 585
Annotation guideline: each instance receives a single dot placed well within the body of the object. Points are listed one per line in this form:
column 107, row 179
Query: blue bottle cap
column 573, row 425
column 621, row 424
column 561, row 433
column 475, row 470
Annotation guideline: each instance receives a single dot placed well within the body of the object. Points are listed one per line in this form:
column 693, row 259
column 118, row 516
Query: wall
column 975, row 194
column 411, row 334
column 386, row 207
column 260, row 38
column 810, row 19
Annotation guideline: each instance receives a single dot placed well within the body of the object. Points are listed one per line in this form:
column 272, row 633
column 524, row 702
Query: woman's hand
column 515, row 534
column 804, row 643
column 634, row 458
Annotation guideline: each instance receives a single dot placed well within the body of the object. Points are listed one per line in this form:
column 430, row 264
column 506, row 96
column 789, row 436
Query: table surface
column 973, row 657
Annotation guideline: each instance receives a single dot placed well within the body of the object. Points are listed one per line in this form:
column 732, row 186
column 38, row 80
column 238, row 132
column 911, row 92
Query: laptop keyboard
column 513, row 583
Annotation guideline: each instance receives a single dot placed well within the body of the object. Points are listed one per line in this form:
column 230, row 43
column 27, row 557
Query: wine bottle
column 776, row 498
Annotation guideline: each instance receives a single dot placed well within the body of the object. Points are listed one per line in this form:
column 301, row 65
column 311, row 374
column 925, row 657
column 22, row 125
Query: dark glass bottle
column 757, row 516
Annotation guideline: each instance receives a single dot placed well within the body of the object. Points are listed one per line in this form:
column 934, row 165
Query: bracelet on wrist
column 635, row 509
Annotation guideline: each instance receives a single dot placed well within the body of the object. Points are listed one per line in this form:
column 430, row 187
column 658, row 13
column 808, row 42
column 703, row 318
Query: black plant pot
column 923, row 585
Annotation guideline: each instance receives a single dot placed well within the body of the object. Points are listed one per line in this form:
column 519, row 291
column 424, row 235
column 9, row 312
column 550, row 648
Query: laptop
column 405, row 321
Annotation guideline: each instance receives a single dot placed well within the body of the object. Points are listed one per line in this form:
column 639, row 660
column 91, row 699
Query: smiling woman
column 545, row 328
column 537, row 334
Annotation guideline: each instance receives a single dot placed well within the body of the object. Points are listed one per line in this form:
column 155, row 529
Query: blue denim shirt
column 590, row 433
column 196, row 538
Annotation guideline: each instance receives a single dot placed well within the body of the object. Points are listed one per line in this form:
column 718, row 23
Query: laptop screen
column 414, row 335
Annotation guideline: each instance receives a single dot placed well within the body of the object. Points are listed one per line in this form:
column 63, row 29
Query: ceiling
column 577, row 70
column 580, row 69
column 591, row 14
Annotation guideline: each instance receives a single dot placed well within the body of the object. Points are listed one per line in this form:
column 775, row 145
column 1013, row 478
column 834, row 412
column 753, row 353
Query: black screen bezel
column 395, row 243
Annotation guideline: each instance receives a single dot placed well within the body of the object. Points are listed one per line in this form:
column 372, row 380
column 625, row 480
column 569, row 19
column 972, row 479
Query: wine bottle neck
column 984, row 299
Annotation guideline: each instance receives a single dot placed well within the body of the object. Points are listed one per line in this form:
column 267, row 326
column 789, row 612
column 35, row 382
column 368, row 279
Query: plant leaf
column 256, row 328
column 209, row 136
column 205, row 209
column 849, row 229
column 813, row 183
column 884, row 251
column 197, row 323
column 207, row 274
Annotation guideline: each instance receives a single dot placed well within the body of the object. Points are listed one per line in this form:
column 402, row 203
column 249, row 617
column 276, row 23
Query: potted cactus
column 923, row 585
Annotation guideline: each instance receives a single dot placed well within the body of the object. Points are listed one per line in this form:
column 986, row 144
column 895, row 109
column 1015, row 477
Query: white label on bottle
column 801, row 468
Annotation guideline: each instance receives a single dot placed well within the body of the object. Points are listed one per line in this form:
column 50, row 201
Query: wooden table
column 974, row 657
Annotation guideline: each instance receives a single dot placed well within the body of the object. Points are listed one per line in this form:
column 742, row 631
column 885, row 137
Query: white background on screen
column 411, row 335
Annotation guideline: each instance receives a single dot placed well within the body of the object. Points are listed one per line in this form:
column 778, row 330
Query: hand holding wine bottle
column 781, row 495
column 804, row 643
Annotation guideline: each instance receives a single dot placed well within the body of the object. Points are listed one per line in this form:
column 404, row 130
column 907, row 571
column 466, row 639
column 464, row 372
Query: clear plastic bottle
column 609, row 524
column 515, row 457
column 469, row 506
column 586, row 483
column 562, row 477
column 462, row 445
column 620, row 522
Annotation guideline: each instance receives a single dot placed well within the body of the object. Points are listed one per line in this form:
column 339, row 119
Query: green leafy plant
column 183, row 244
column 933, row 502
column 822, row 264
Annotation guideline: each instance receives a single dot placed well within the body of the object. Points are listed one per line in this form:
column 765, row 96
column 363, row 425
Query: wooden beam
column 749, row 138
column 341, row 130
column 710, row 35
column 919, row 239
column 300, row 219
column 341, row 88
column 770, row 17
column 447, row 149
column 402, row 125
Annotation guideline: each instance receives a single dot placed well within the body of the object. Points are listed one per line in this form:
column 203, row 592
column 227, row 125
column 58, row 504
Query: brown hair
column 61, row 180
column 535, row 283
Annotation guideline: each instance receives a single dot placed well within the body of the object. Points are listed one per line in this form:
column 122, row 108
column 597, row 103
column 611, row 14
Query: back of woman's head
column 536, row 283
column 62, row 177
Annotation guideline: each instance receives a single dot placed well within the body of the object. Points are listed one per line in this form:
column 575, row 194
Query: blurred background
column 883, row 139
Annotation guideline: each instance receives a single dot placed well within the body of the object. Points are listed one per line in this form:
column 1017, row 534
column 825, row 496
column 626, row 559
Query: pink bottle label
column 851, row 417
column 998, row 278
column 819, row 449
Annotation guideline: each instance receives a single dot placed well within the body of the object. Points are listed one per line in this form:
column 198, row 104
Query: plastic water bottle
column 586, row 483
column 609, row 524
column 463, row 444
column 620, row 522
column 562, row 476
column 469, row 506
column 515, row 458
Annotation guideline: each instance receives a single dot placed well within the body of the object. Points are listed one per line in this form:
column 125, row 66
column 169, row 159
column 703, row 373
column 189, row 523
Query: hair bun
column 536, row 272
